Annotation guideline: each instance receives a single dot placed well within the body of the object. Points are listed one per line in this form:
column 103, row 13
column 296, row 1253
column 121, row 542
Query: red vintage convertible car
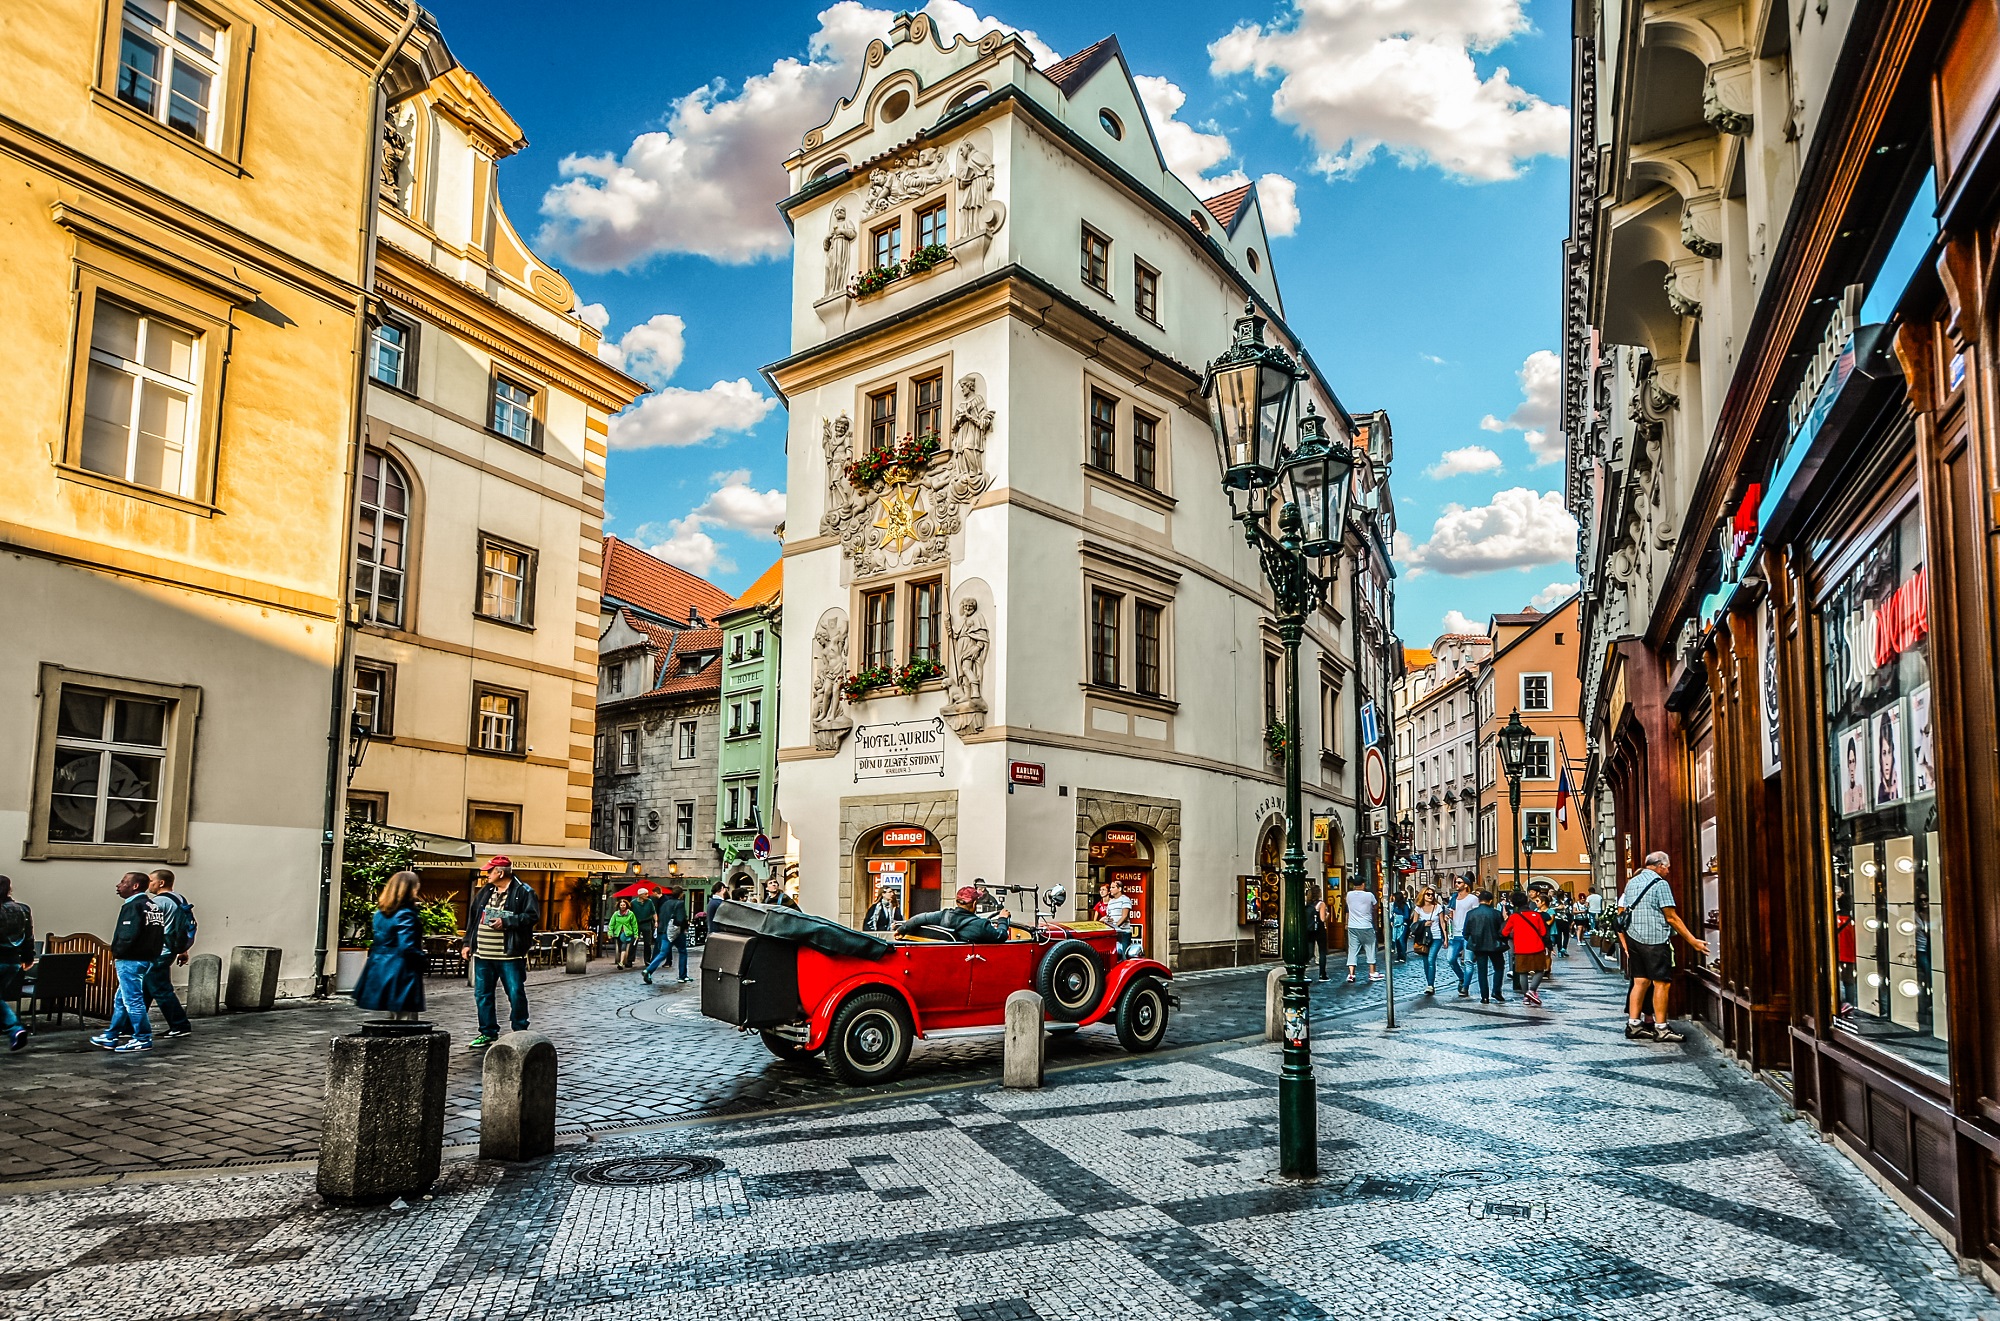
column 810, row 985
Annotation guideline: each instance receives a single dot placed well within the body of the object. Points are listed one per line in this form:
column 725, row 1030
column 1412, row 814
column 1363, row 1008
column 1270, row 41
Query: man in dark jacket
column 716, row 899
column 673, row 934
column 498, row 930
column 647, row 914
column 136, row 943
column 1483, row 938
column 17, row 955
column 883, row 914
column 961, row 923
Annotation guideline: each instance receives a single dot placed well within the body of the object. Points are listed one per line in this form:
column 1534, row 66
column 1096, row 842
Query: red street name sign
column 1027, row 772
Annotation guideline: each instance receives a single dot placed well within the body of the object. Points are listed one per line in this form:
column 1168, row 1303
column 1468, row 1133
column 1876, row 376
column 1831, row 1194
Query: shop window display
column 1888, row 895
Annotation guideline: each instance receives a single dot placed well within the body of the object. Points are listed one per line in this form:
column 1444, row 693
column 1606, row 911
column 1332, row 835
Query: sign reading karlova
column 911, row 747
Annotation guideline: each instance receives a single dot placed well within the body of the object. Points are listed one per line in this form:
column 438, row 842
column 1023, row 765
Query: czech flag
column 1562, row 796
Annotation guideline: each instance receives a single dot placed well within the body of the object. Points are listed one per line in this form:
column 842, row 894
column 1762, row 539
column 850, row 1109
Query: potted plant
column 893, row 463
column 926, row 257
column 1277, row 738
column 875, row 281
column 370, row 855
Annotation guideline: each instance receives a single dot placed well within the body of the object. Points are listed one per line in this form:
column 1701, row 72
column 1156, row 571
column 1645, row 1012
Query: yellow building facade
column 478, row 522
column 183, row 190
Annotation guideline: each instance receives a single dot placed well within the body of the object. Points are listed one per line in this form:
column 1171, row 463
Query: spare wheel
column 1071, row 980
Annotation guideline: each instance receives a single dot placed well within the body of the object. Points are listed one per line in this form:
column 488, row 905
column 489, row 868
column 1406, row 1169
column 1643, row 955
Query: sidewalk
column 1496, row 1163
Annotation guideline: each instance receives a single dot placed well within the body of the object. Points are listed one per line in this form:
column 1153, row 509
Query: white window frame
column 1531, row 815
column 175, row 50
column 170, row 828
column 144, row 379
column 373, row 520
column 404, row 353
column 1548, row 743
column 493, row 577
column 683, row 827
column 512, row 412
column 628, row 748
column 687, row 746
column 507, row 725
column 1548, row 679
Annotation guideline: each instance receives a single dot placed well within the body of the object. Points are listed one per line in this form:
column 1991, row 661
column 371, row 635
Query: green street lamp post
column 1250, row 389
column 1514, row 757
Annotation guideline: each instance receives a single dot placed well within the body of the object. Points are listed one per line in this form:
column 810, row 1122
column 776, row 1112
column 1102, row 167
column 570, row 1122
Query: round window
column 895, row 107
column 1252, row 254
column 1111, row 124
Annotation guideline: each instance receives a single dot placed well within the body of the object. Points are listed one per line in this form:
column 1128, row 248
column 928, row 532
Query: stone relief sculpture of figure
column 830, row 721
column 839, row 247
column 836, row 441
column 978, row 212
column 971, row 423
column 970, row 641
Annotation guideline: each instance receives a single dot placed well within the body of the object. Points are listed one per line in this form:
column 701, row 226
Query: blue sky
column 1425, row 139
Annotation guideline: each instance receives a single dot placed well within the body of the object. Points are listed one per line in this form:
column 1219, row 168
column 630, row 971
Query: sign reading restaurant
column 909, row 747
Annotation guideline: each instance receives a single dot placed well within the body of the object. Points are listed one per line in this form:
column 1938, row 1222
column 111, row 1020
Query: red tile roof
column 768, row 585
column 636, row 578
column 1076, row 70
column 689, row 643
column 1224, row 206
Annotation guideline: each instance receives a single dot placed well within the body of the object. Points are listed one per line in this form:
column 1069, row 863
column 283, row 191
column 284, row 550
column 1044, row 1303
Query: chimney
column 694, row 616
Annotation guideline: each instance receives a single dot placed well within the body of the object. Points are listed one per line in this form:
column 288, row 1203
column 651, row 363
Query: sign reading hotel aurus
column 912, row 747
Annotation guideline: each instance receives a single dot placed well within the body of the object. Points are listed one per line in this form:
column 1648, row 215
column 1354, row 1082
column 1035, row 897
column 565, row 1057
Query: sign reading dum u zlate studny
column 910, row 747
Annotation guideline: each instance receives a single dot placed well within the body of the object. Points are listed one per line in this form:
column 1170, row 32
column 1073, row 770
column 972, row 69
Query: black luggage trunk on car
column 751, row 981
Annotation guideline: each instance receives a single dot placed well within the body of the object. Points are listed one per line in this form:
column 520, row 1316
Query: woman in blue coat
column 393, row 979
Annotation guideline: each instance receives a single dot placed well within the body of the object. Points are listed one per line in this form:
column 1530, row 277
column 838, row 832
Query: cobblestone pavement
column 248, row 1087
column 1142, row 1188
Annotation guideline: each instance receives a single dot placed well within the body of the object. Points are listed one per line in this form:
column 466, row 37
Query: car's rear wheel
column 870, row 1039
column 1071, row 980
column 784, row 1047
column 1142, row 1015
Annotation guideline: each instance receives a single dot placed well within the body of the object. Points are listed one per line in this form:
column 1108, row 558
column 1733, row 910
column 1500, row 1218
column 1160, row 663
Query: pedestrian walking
column 1485, row 942
column 1528, row 931
column 17, row 955
column 1361, row 936
column 717, row 898
column 178, row 913
column 136, row 943
column 1463, row 902
column 883, row 913
column 1319, row 926
column 499, row 927
column 1646, row 921
column 673, row 934
column 392, row 980
column 645, row 913
column 1427, row 935
column 624, row 929
column 1399, row 916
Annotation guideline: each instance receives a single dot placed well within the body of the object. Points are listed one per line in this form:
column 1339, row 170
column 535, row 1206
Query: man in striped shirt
column 1652, row 920
column 498, row 930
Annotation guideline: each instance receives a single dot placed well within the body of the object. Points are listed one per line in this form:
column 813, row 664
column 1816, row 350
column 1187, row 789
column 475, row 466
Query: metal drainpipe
column 336, row 754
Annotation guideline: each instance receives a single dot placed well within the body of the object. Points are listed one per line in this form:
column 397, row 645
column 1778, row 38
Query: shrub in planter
column 926, row 257
column 899, row 462
column 870, row 282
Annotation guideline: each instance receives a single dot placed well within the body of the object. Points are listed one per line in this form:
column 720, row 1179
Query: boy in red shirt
column 1528, row 929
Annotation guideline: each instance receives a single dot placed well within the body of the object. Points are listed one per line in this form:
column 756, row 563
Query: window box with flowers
column 932, row 257
column 1277, row 738
column 905, row 679
column 900, row 462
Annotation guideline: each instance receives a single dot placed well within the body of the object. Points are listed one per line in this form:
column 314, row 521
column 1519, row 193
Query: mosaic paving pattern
column 1480, row 1164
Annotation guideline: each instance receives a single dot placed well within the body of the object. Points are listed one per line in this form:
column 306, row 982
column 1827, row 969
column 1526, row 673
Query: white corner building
column 1039, row 652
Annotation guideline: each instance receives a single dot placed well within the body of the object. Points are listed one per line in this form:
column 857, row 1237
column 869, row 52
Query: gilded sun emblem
column 898, row 520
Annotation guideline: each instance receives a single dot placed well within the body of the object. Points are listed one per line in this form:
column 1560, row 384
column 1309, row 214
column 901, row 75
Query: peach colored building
column 1533, row 670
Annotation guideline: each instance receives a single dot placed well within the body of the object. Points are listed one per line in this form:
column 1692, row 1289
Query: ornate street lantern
column 1514, row 746
column 1249, row 391
column 1318, row 477
column 359, row 731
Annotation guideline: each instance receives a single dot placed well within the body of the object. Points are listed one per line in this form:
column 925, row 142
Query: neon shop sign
column 1882, row 630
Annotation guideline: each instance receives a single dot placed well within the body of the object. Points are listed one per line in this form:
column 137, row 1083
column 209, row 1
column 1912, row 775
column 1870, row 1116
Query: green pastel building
column 747, row 770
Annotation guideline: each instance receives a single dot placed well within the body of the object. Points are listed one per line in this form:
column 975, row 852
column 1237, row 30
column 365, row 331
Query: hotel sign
column 909, row 747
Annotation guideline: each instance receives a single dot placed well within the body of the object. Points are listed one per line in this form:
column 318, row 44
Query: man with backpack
column 136, row 943
column 177, row 941
column 1646, row 921
column 17, row 955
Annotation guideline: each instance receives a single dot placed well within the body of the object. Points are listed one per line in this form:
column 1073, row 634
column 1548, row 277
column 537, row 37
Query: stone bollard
column 383, row 1133
column 1026, row 1043
column 517, row 1098
column 253, row 976
column 576, row 956
column 204, row 989
column 1274, row 1004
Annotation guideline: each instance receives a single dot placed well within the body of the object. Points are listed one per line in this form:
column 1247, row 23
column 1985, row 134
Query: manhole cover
column 637, row 1171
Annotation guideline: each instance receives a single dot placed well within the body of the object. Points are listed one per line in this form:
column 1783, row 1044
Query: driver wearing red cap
column 960, row 923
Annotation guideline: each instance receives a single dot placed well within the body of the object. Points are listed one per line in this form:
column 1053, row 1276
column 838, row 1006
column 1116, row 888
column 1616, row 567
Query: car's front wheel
column 870, row 1039
column 1071, row 980
column 1142, row 1015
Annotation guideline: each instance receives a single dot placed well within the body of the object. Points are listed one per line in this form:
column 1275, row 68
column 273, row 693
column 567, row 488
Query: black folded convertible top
column 794, row 927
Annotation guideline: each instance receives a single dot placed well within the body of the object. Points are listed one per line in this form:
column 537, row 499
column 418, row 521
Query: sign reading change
column 912, row 747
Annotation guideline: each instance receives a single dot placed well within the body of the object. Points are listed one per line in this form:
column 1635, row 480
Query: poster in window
column 1852, row 770
column 1767, row 685
column 1923, row 761
column 1888, row 748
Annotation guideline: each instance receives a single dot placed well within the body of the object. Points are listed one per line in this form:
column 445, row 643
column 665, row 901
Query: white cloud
column 708, row 182
column 1192, row 152
column 1517, row 529
column 1432, row 359
column 651, row 350
column 1552, row 596
column 1459, row 462
column 1360, row 76
column 1456, row 622
column 596, row 316
column 733, row 504
column 1540, row 409
column 672, row 416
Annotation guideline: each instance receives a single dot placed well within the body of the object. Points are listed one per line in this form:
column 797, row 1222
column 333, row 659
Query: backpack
column 13, row 923
column 1621, row 917
column 180, row 927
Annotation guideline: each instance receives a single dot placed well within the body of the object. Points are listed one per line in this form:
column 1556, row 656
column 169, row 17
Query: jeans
column 509, row 973
column 1457, row 963
column 128, row 1012
column 1430, row 958
column 160, row 990
column 1496, row 961
column 667, row 948
column 1402, row 940
column 10, row 975
column 1360, row 941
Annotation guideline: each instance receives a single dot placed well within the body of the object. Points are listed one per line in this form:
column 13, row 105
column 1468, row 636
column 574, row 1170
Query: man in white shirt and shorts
column 1361, row 938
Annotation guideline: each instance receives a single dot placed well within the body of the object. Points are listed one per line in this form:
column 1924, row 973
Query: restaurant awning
column 439, row 850
column 532, row 857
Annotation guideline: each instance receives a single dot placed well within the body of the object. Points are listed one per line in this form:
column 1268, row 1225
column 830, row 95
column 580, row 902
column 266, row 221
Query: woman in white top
column 1427, row 935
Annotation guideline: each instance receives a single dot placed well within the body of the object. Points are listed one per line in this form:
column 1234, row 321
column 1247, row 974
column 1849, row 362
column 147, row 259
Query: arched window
column 381, row 540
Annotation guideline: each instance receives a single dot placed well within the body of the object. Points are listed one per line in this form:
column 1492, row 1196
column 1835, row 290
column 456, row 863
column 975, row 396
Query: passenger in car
column 960, row 922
